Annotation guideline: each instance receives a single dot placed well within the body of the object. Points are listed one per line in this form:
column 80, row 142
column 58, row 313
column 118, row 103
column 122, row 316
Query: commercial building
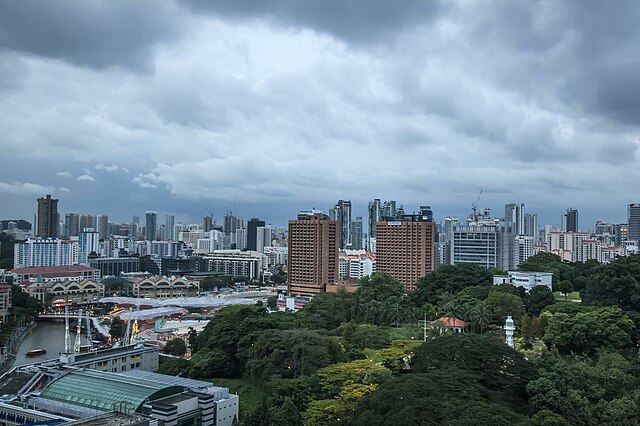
column 71, row 225
column 59, row 293
column 570, row 220
column 236, row 263
column 405, row 247
column 252, row 233
column 114, row 266
column 151, row 225
column 115, row 386
column 55, row 273
column 633, row 221
column 341, row 213
column 528, row 280
column 88, row 243
column 375, row 215
column 47, row 226
column 162, row 287
column 45, row 252
column 514, row 214
column 313, row 253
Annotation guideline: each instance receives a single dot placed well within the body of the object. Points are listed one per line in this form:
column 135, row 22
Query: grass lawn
column 406, row 332
column 573, row 296
column 250, row 394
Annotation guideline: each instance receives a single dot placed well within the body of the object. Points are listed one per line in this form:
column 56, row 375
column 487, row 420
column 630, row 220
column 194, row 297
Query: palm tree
column 481, row 315
column 445, row 299
column 358, row 309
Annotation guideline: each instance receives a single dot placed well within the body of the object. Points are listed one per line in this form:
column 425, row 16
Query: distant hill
column 22, row 224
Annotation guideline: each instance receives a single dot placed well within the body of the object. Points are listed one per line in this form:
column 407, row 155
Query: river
column 48, row 336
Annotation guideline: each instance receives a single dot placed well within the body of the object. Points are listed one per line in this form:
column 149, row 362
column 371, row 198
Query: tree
column 286, row 415
column 379, row 286
column 327, row 311
column 192, row 338
column 286, row 353
column 616, row 284
column 481, row 316
column 566, row 287
column 586, row 332
column 174, row 366
column 451, row 279
column 548, row 262
column 272, row 302
column 116, row 330
column 538, row 298
column 480, row 357
column 175, row 347
column 451, row 397
column 503, row 304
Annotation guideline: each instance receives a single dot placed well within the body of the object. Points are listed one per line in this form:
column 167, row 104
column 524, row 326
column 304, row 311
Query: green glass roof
column 104, row 391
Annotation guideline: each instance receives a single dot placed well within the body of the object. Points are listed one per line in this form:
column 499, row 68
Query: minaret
column 509, row 328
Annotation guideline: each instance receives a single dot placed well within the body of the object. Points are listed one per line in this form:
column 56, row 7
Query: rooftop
column 105, row 391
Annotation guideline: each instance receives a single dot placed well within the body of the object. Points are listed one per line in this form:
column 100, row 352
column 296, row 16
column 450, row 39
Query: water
column 48, row 336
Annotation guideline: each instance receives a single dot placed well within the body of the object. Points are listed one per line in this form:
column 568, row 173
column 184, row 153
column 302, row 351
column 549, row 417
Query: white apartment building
column 45, row 252
column 236, row 263
column 524, row 248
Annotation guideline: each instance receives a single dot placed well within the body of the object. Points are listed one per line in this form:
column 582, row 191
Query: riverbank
column 13, row 346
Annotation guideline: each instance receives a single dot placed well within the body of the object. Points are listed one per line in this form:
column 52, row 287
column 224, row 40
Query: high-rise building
column 633, row 222
column 103, row 226
column 388, row 210
column 241, row 238
column 151, row 225
column 71, row 225
column 356, row 234
column 252, row 233
column 405, row 247
column 531, row 226
column 207, row 222
column 570, row 220
column 375, row 214
column 514, row 213
column 170, row 226
column 341, row 213
column 86, row 221
column 313, row 253
column 47, row 226
column 88, row 242
column 230, row 223
column 622, row 233
column 45, row 252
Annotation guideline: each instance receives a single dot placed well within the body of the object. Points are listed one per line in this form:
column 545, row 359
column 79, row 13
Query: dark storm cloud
column 304, row 102
column 93, row 33
column 352, row 20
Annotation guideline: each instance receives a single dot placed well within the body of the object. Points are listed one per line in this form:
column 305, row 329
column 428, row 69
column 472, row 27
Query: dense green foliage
column 353, row 359
column 175, row 347
column 7, row 245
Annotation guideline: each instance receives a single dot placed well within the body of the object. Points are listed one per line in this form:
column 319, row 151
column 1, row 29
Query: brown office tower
column 313, row 253
column 405, row 247
column 47, row 217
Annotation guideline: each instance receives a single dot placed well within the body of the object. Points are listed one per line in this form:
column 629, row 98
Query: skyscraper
column 341, row 213
column 71, row 225
column 313, row 253
column 514, row 213
column 170, row 227
column 103, row 226
column 633, row 222
column 151, row 225
column 374, row 217
column 230, row 224
column 531, row 226
column 570, row 220
column 356, row 233
column 207, row 223
column 252, row 233
column 86, row 221
column 405, row 247
column 88, row 242
column 47, row 217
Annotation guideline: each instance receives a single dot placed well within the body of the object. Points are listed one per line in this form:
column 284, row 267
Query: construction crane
column 474, row 206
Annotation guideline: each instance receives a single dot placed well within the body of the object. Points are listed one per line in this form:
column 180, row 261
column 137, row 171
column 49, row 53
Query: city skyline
column 269, row 108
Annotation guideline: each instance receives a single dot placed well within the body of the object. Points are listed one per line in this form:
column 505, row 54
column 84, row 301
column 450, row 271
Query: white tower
column 509, row 328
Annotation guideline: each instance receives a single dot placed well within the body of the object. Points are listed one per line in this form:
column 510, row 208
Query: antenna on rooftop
column 67, row 335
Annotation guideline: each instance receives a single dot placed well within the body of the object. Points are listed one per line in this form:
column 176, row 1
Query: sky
column 266, row 108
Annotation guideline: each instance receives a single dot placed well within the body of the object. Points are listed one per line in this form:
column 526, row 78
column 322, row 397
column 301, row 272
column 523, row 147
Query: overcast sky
column 270, row 107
